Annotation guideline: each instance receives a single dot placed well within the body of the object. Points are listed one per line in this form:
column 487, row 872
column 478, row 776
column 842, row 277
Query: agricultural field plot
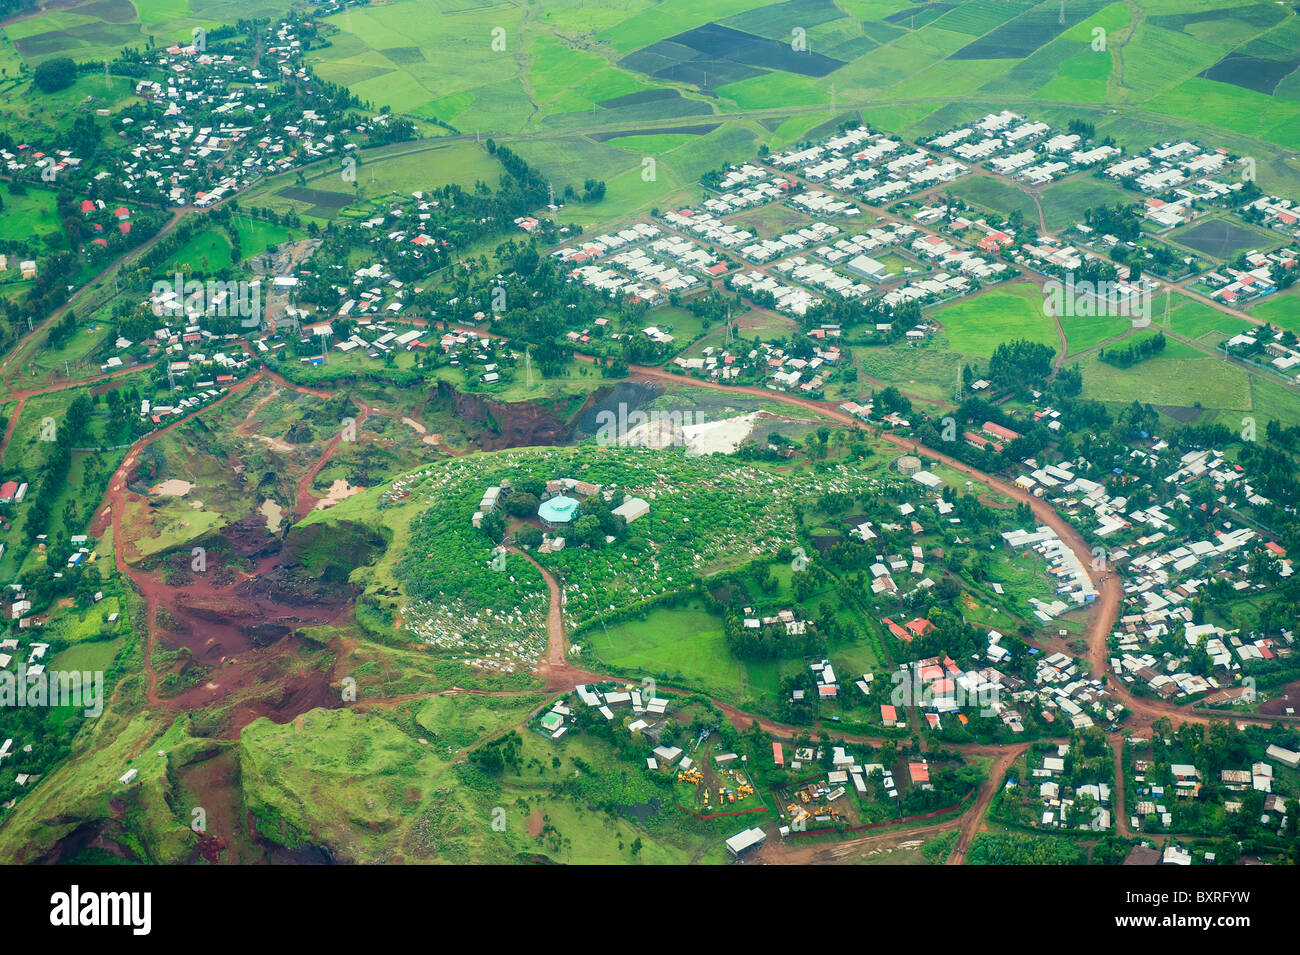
column 1083, row 333
column 1195, row 320
column 30, row 215
column 325, row 194
column 712, row 56
column 1028, row 30
column 1281, row 310
column 571, row 160
column 508, row 71
column 972, row 328
column 1065, row 203
column 91, row 30
column 1224, row 239
column 929, row 372
column 994, row 195
column 1181, row 377
column 1264, row 63
column 683, row 646
column 770, row 220
column 978, row 324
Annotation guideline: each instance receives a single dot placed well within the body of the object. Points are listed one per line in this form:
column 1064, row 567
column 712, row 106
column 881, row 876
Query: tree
column 56, row 74
column 586, row 530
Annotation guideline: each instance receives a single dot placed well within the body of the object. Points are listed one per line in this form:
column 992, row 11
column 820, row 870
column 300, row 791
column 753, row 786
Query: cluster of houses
column 641, row 262
column 887, row 571
column 1280, row 214
column 708, row 227
column 1163, row 571
column 786, row 298
column 816, row 802
column 373, row 293
column 649, row 712
column 747, row 187
column 1029, row 150
column 1277, row 350
column 941, row 688
column 770, row 364
column 216, row 123
column 1239, row 287
column 96, row 209
column 1074, row 588
column 871, row 166
column 764, row 250
column 1153, row 807
column 834, row 262
column 1185, row 202
column 1084, row 806
column 1166, row 166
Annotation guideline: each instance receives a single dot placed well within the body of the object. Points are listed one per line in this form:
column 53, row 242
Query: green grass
column 651, row 145
column 28, row 216
column 204, row 253
column 1065, row 203
column 1281, row 310
column 996, row 196
column 977, row 325
column 363, row 785
column 774, row 89
column 1193, row 319
column 1181, row 381
column 686, row 644
column 666, row 19
column 97, row 656
column 1083, row 333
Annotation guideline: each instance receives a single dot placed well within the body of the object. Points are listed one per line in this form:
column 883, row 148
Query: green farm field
column 978, row 324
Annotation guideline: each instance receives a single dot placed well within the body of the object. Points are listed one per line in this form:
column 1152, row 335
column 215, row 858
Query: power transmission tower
column 528, row 366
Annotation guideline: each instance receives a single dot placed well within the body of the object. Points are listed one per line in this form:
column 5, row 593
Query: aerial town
column 802, row 433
